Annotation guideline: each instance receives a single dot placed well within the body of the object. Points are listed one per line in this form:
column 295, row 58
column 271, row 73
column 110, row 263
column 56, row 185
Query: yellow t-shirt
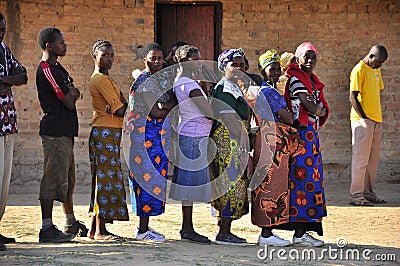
column 106, row 100
column 368, row 82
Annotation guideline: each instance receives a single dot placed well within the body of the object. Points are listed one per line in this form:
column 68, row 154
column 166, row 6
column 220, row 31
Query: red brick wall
column 343, row 32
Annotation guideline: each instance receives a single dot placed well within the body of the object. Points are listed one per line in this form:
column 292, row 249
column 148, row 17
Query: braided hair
column 98, row 44
column 151, row 46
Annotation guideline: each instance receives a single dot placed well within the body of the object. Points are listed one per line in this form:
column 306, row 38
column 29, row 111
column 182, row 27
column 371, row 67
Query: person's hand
column 309, row 98
column 74, row 91
column 4, row 87
column 123, row 100
column 321, row 112
column 128, row 128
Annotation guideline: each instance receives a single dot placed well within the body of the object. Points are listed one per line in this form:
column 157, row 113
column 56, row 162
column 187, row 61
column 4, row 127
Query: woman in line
column 305, row 98
column 229, row 189
column 191, row 176
column 150, row 136
column 108, row 199
column 276, row 142
column 287, row 58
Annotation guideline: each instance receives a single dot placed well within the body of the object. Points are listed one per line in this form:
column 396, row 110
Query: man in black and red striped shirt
column 58, row 127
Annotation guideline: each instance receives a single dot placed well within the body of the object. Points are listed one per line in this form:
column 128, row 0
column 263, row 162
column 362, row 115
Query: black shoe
column 194, row 237
column 6, row 240
column 53, row 235
column 231, row 239
column 2, row 247
column 78, row 229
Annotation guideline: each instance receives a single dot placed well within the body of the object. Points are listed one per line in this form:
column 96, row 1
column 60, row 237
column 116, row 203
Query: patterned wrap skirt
column 148, row 164
column 307, row 196
column 275, row 144
column 108, row 197
column 228, row 183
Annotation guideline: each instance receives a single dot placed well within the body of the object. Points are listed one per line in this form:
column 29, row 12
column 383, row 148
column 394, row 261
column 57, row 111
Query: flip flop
column 362, row 202
column 107, row 238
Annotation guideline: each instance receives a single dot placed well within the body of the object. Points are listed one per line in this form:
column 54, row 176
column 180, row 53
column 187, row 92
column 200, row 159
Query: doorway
column 198, row 24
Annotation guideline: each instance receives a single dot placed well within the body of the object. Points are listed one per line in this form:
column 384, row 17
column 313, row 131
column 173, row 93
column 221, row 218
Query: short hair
column 100, row 43
column 380, row 50
column 183, row 53
column 151, row 46
column 47, row 35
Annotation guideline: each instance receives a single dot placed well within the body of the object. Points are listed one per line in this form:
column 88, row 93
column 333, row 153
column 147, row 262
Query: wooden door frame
column 217, row 20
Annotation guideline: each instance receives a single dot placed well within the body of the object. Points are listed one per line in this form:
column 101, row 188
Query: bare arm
column 121, row 111
column 6, row 82
column 201, row 102
column 70, row 99
column 356, row 104
column 232, row 123
column 151, row 101
column 285, row 116
column 15, row 80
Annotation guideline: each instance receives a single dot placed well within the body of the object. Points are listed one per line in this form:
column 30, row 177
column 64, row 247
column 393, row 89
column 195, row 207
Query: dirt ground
column 369, row 233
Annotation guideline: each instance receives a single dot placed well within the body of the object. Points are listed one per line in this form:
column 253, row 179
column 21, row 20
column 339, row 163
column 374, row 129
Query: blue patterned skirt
column 108, row 198
column 148, row 164
column 307, row 197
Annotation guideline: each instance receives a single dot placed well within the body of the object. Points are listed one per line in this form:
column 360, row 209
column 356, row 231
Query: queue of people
column 281, row 163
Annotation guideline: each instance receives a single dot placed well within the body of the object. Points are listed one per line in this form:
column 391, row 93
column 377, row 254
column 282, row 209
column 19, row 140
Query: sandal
column 376, row 200
column 108, row 238
column 194, row 237
column 361, row 202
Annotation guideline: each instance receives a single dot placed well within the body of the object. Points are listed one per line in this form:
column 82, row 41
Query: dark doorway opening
column 198, row 24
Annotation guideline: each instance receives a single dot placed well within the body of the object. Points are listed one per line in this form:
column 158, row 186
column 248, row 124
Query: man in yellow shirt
column 366, row 126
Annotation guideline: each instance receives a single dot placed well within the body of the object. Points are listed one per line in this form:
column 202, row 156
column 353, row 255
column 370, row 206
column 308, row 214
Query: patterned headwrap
column 305, row 46
column 227, row 56
column 286, row 59
column 271, row 56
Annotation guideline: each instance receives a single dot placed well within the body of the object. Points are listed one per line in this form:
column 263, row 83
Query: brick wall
column 343, row 32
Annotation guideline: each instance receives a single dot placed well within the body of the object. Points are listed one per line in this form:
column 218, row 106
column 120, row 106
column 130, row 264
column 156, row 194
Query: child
column 108, row 200
column 58, row 127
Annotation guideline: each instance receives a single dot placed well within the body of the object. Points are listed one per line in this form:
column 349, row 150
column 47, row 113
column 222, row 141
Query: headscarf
column 286, row 58
column 305, row 46
column 227, row 56
column 269, row 57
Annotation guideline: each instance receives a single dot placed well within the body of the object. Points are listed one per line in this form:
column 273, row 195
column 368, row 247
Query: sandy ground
column 370, row 232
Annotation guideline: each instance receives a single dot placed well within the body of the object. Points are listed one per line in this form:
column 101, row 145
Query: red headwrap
column 304, row 47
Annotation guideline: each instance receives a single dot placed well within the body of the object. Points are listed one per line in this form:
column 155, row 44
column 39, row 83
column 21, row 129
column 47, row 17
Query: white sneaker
column 150, row 235
column 307, row 240
column 273, row 240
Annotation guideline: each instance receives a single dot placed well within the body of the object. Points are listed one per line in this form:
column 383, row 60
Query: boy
column 12, row 73
column 58, row 127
